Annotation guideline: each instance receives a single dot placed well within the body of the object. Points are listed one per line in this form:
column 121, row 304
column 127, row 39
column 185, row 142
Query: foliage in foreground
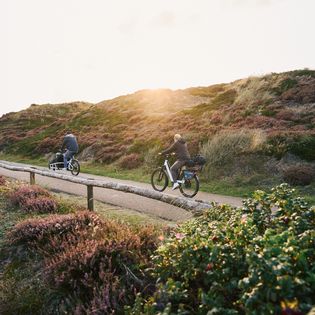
column 258, row 259
column 87, row 264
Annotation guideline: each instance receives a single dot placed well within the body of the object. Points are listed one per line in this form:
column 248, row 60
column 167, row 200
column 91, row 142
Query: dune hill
column 280, row 105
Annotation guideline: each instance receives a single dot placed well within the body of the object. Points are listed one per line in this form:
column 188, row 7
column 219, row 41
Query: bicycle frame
column 69, row 166
column 169, row 173
column 168, row 170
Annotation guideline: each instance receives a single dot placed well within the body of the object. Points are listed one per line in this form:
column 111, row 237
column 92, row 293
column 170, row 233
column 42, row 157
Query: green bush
column 299, row 145
column 224, row 98
column 304, row 147
column 285, row 85
column 258, row 259
column 302, row 72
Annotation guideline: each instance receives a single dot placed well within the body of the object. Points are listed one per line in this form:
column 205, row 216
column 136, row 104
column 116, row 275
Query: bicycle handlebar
column 167, row 154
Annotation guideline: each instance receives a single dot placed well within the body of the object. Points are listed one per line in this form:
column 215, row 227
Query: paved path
column 122, row 199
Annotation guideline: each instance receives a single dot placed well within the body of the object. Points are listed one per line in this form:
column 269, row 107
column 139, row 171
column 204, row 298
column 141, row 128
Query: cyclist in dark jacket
column 182, row 155
column 71, row 145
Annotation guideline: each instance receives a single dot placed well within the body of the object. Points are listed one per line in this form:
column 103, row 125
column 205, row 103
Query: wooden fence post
column 32, row 178
column 90, row 203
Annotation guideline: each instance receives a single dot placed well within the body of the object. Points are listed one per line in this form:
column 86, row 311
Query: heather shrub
column 40, row 232
column 298, row 175
column 2, row 181
column 40, row 205
column 93, row 270
column 21, row 194
column 90, row 265
column 258, row 259
column 104, row 272
column 130, row 161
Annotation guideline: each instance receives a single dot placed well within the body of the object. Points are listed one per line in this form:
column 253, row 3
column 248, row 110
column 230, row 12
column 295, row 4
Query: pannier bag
column 196, row 160
column 199, row 160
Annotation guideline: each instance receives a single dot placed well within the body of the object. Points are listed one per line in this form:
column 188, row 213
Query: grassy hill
column 255, row 128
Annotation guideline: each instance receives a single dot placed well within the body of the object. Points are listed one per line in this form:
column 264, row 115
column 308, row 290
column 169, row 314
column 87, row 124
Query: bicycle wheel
column 190, row 187
column 75, row 167
column 51, row 166
column 159, row 179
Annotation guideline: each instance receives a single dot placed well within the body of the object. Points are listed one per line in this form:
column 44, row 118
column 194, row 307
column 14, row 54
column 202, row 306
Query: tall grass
column 227, row 145
column 254, row 91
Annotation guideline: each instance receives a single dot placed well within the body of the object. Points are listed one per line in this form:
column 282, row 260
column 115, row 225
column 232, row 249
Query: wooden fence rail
column 194, row 206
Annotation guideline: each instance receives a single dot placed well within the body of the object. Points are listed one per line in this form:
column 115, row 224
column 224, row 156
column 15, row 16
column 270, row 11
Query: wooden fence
column 194, row 206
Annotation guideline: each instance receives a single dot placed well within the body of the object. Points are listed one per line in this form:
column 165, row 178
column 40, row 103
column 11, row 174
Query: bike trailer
column 58, row 158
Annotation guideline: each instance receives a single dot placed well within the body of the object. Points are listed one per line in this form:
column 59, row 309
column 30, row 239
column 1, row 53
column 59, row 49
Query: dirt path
column 129, row 201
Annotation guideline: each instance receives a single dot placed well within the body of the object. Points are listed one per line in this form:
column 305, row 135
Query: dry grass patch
column 227, row 145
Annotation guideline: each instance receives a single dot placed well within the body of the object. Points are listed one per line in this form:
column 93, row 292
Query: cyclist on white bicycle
column 71, row 145
column 182, row 156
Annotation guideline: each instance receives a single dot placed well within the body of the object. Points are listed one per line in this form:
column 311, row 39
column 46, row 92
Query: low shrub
column 2, row 181
column 225, row 98
column 301, row 145
column 303, row 72
column 105, row 272
column 285, row 85
column 298, row 175
column 40, row 232
column 21, row 194
column 33, row 199
column 90, row 265
column 209, row 91
column 258, row 259
column 130, row 161
column 41, row 204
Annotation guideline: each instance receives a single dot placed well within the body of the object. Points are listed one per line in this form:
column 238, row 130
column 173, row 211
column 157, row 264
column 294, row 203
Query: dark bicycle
column 57, row 163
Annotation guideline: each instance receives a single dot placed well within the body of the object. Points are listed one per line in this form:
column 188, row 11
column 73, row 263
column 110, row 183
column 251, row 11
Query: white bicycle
column 188, row 179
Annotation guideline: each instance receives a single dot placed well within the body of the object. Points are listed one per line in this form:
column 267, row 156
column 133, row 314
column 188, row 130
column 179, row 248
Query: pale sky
column 91, row 50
